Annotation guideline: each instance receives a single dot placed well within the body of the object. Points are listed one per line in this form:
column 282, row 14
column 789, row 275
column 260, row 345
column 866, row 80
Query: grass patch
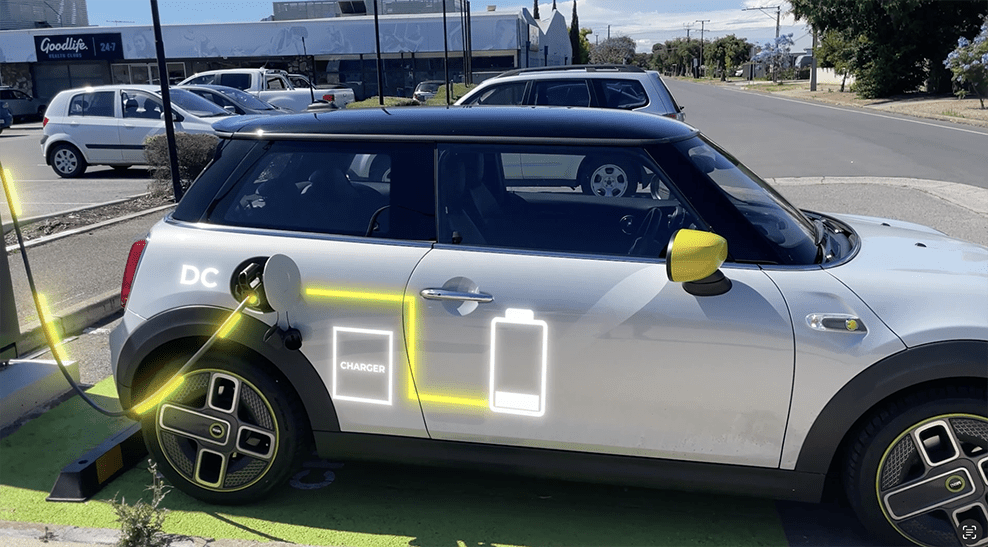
column 952, row 113
column 459, row 90
column 380, row 505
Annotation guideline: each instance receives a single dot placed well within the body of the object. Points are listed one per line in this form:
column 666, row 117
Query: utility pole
column 778, row 15
column 813, row 64
column 701, row 21
column 687, row 27
column 608, row 32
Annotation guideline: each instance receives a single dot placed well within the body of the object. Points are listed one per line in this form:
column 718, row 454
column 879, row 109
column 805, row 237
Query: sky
column 645, row 21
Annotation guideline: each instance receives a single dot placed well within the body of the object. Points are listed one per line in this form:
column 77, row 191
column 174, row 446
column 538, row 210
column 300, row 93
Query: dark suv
column 449, row 309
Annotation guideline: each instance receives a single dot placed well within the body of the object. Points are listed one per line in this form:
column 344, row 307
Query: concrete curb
column 71, row 321
column 84, row 229
column 965, row 196
column 8, row 226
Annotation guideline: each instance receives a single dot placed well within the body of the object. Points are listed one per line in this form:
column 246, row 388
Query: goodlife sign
column 76, row 47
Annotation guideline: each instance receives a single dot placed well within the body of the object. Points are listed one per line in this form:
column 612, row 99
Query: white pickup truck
column 268, row 85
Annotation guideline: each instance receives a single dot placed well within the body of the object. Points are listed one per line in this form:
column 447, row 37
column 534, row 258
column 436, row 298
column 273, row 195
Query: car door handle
column 456, row 296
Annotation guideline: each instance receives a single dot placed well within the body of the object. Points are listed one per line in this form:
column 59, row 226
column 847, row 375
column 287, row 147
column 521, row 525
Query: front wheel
column 606, row 178
column 229, row 434
column 67, row 161
column 918, row 472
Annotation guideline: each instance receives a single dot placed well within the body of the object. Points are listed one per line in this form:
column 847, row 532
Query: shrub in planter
column 195, row 151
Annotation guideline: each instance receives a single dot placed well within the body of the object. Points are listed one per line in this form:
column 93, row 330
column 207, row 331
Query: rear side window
column 624, row 94
column 562, row 93
column 333, row 188
column 239, row 81
column 99, row 103
column 501, row 95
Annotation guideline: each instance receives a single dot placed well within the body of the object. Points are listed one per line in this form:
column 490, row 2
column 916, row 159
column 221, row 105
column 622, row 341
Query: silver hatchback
column 706, row 336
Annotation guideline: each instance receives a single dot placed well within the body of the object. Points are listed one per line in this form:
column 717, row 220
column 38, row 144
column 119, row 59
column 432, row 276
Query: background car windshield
column 429, row 87
column 246, row 99
column 195, row 105
column 779, row 221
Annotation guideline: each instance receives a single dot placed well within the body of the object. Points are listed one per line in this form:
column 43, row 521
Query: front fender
column 958, row 360
column 203, row 321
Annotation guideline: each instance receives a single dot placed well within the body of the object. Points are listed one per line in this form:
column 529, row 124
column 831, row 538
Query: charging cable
column 51, row 334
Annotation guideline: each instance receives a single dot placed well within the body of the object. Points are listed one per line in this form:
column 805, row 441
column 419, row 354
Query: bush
column 195, row 151
column 140, row 524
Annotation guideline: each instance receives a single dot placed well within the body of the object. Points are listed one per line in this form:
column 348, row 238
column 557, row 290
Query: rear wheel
column 229, row 434
column 918, row 472
column 67, row 161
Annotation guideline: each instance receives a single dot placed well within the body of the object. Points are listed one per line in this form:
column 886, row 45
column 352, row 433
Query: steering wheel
column 645, row 238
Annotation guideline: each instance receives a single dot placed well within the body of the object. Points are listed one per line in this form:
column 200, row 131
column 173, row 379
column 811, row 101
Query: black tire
column 886, row 460
column 605, row 177
column 67, row 161
column 230, row 433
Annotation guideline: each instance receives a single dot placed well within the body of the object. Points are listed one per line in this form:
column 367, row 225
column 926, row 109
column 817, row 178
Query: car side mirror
column 176, row 117
column 693, row 258
column 230, row 108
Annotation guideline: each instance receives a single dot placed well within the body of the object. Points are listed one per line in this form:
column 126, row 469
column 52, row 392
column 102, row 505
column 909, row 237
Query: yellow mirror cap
column 694, row 255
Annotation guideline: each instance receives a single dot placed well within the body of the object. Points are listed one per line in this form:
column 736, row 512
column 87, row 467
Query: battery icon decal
column 519, row 360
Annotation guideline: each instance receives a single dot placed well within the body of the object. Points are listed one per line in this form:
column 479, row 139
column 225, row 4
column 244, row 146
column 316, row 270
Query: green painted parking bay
column 359, row 504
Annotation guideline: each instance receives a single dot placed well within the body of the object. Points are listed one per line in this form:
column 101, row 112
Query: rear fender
column 200, row 322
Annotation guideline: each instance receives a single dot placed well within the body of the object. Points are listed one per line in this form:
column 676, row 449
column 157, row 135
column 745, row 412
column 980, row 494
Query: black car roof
column 486, row 124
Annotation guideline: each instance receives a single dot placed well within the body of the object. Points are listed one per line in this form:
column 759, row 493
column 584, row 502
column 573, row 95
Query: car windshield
column 194, row 104
column 245, row 99
column 776, row 219
column 428, row 87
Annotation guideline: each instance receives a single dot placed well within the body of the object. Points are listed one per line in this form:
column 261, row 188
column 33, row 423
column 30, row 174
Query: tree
column 969, row 64
column 553, row 5
column 675, row 56
column 776, row 54
column 581, row 56
column 727, row 53
column 535, row 10
column 619, row 50
column 895, row 45
column 574, row 38
column 835, row 52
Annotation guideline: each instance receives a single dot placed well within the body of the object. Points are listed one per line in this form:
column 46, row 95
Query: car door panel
column 633, row 364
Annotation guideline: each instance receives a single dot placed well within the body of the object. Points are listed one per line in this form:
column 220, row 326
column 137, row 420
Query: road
column 41, row 191
column 780, row 137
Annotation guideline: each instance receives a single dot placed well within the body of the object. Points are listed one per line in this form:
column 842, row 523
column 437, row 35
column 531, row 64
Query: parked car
column 273, row 86
column 107, row 125
column 600, row 86
column 21, row 105
column 622, row 87
column 234, row 100
column 427, row 90
column 716, row 338
column 6, row 118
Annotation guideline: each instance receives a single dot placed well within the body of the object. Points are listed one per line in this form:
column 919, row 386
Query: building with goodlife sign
column 342, row 49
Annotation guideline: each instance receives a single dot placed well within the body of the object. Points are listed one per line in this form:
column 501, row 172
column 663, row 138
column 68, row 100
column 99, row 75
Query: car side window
column 202, row 80
column 502, row 95
column 275, row 82
column 239, row 81
column 6, row 94
column 140, row 105
column 561, row 93
column 336, row 188
column 586, row 200
column 625, row 94
column 99, row 103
